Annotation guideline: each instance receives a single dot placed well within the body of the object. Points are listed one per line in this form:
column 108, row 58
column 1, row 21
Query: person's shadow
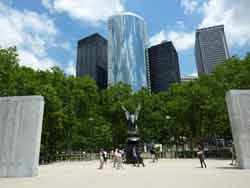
column 228, row 168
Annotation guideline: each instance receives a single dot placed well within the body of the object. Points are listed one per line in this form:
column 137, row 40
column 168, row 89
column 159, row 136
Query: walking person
column 157, row 153
column 123, row 155
column 140, row 160
column 115, row 158
column 134, row 155
column 105, row 155
column 111, row 156
column 200, row 155
column 119, row 160
column 153, row 155
column 101, row 156
column 233, row 155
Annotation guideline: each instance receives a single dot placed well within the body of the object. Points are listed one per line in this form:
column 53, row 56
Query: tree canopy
column 79, row 116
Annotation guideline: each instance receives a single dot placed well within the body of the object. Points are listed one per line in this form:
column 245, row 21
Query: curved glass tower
column 127, row 51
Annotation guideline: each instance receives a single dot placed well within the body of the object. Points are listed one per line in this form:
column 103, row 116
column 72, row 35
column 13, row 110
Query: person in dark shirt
column 153, row 155
column 200, row 155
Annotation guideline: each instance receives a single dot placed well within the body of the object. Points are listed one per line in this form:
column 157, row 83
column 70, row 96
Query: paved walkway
column 167, row 173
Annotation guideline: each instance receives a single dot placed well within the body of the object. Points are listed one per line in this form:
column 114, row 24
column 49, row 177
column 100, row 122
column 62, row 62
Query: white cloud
column 233, row 14
column 48, row 4
column 30, row 60
column 180, row 24
column 158, row 38
column 66, row 46
column 189, row 6
column 182, row 40
column 193, row 74
column 92, row 11
column 30, row 32
column 71, row 68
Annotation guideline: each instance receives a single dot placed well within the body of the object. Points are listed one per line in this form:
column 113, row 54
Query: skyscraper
column 210, row 48
column 164, row 66
column 127, row 43
column 92, row 59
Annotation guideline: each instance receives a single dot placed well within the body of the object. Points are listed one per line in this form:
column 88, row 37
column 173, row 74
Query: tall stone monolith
column 20, row 135
column 238, row 103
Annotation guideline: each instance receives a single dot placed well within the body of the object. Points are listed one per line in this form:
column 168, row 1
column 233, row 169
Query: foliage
column 79, row 116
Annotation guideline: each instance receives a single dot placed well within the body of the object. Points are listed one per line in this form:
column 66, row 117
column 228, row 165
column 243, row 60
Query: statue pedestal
column 133, row 140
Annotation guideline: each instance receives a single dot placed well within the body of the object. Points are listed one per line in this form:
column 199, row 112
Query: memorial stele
column 238, row 103
column 20, row 135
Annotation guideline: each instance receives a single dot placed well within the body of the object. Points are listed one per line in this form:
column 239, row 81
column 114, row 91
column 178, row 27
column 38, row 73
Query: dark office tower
column 92, row 59
column 210, row 48
column 164, row 66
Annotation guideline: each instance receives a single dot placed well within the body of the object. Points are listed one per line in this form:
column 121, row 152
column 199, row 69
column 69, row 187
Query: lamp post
column 91, row 134
column 183, row 139
column 167, row 117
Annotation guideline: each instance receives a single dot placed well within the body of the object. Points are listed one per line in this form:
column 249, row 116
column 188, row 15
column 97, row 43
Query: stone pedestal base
column 238, row 102
column 20, row 135
column 132, row 141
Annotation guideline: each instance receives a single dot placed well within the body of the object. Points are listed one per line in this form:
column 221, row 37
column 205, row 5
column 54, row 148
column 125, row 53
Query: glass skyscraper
column 127, row 54
column 210, row 48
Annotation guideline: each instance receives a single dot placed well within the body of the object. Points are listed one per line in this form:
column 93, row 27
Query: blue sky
column 46, row 31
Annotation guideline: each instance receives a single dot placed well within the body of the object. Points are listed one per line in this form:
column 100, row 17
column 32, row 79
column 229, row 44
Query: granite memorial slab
column 238, row 104
column 20, row 135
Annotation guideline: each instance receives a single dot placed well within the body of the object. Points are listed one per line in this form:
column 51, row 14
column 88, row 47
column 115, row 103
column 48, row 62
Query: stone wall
column 238, row 102
column 20, row 135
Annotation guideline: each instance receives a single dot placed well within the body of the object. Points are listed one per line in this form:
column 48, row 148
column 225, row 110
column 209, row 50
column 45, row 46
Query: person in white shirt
column 119, row 159
column 101, row 156
column 115, row 159
column 105, row 155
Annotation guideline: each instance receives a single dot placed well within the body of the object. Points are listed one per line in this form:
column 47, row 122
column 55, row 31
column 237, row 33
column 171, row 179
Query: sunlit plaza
column 124, row 94
column 165, row 173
